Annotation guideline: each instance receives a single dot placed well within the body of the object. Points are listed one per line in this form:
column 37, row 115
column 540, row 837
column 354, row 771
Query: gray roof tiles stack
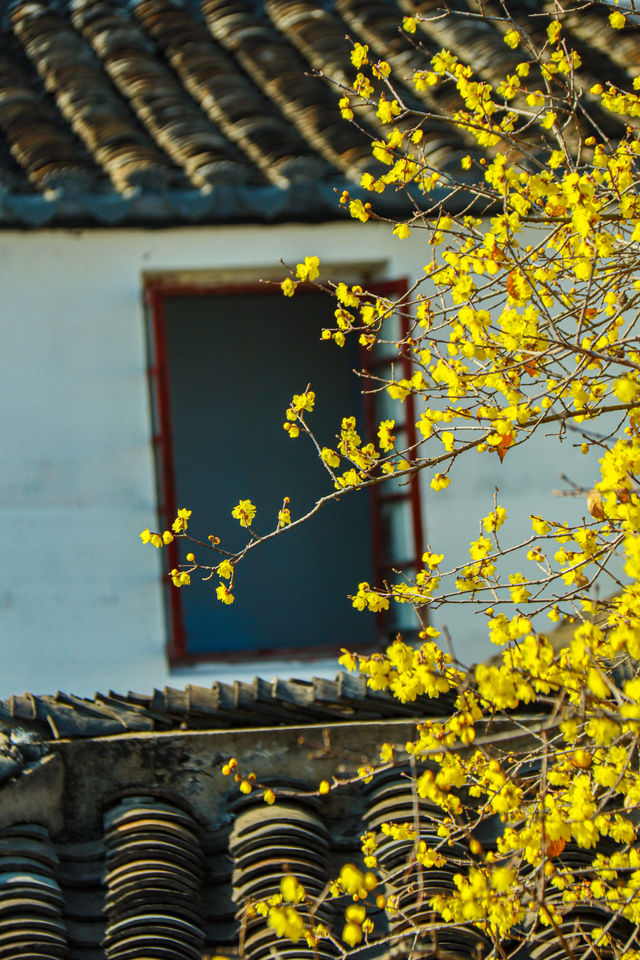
column 222, row 706
column 130, row 845
column 114, row 847
column 168, row 112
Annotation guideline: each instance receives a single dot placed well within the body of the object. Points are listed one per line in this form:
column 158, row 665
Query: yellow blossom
column 439, row 482
column 553, row 31
column 292, row 891
column 284, row 516
column 223, row 594
column 360, row 210
column 309, row 270
column 512, row 39
column 352, row 934
column 359, row 55
column 345, row 108
column 386, row 437
column 244, row 511
column 402, row 231
column 180, row 523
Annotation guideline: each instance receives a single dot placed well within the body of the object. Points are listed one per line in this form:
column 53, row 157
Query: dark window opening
column 224, row 364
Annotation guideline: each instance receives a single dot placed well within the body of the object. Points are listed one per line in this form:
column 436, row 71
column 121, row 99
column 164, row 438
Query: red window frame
column 156, row 291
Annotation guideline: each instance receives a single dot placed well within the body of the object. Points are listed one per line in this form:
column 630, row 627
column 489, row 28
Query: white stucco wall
column 80, row 598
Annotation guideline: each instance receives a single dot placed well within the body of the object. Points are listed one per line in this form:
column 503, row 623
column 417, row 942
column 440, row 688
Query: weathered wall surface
column 80, row 599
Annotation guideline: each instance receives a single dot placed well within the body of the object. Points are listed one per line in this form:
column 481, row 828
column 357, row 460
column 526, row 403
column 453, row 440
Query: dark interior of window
column 233, row 362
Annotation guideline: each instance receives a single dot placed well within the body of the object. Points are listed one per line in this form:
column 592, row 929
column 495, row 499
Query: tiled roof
column 220, row 707
column 136, row 845
column 200, row 111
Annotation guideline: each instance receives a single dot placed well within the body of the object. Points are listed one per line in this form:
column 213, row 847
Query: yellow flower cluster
column 295, row 411
column 522, row 321
column 178, row 526
column 245, row 512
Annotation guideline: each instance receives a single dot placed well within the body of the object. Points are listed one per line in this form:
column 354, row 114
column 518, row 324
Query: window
column 224, row 363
